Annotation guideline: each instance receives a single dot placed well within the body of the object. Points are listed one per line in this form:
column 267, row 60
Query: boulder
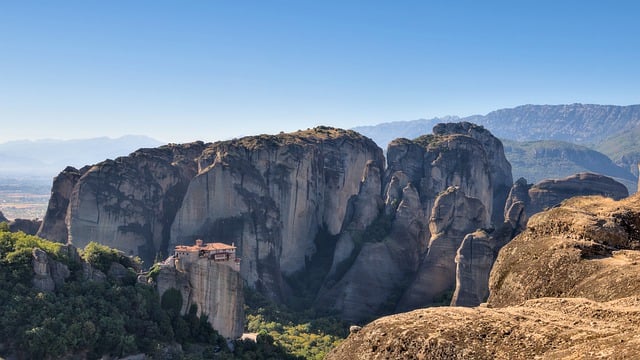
column 545, row 328
column 586, row 247
column 549, row 193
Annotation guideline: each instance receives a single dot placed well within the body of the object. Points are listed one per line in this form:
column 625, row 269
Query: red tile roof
column 206, row 247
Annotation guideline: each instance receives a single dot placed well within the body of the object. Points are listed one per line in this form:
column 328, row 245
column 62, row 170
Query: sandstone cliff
column 397, row 234
column 128, row 203
column 215, row 288
column 388, row 257
column 453, row 216
column 565, row 288
column 54, row 225
column 271, row 195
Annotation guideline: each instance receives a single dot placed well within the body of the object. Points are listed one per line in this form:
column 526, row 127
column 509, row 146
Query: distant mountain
column 549, row 159
column 543, row 135
column 623, row 148
column 576, row 123
column 384, row 133
column 48, row 157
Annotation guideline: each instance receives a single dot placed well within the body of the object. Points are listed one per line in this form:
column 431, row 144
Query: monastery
column 217, row 252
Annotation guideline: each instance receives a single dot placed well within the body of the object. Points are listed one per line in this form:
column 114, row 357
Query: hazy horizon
column 217, row 70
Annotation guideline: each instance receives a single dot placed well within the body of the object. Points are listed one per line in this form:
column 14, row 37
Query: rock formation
column 271, row 195
column 128, row 203
column 567, row 287
column 54, row 225
column 48, row 273
column 587, row 247
column 545, row 328
column 548, row 193
column 27, row 226
column 453, row 216
column 214, row 287
column 478, row 251
column 390, row 260
column 2, row 218
column 499, row 167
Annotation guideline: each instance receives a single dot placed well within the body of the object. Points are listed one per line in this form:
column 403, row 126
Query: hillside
column 576, row 123
column 623, row 148
column 541, row 135
column 549, row 159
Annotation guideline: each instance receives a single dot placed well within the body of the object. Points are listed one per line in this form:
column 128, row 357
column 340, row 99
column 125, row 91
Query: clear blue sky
column 185, row 70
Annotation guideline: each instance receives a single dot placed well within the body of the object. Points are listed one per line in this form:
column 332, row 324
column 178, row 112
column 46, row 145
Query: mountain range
column 546, row 141
column 48, row 156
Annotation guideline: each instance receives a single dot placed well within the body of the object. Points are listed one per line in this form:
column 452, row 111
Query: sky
column 180, row 71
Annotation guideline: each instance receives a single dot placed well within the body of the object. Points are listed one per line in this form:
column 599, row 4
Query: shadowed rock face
column 27, row 226
column 54, row 226
column 453, row 216
column 404, row 261
column 2, row 218
column 478, row 251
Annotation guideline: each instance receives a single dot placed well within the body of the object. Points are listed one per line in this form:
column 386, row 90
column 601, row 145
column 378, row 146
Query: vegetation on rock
column 97, row 318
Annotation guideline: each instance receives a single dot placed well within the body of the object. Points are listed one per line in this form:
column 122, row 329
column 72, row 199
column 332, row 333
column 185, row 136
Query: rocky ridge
column 436, row 189
column 565, row 288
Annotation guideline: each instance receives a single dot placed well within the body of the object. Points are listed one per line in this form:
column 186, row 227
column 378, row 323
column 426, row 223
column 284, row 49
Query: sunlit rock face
column 215, row 288
column 128, row 203
column 271, row 195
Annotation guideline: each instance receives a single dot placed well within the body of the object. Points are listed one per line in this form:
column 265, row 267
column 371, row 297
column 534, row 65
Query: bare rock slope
column 565, row 288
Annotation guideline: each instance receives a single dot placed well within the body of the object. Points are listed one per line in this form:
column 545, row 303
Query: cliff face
column 128, row 203
column 214, row 287
column 54, row 225
column 271, row 195
column 400, row 235
column 405, row 257
column 453, row 216
column 565, row 288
